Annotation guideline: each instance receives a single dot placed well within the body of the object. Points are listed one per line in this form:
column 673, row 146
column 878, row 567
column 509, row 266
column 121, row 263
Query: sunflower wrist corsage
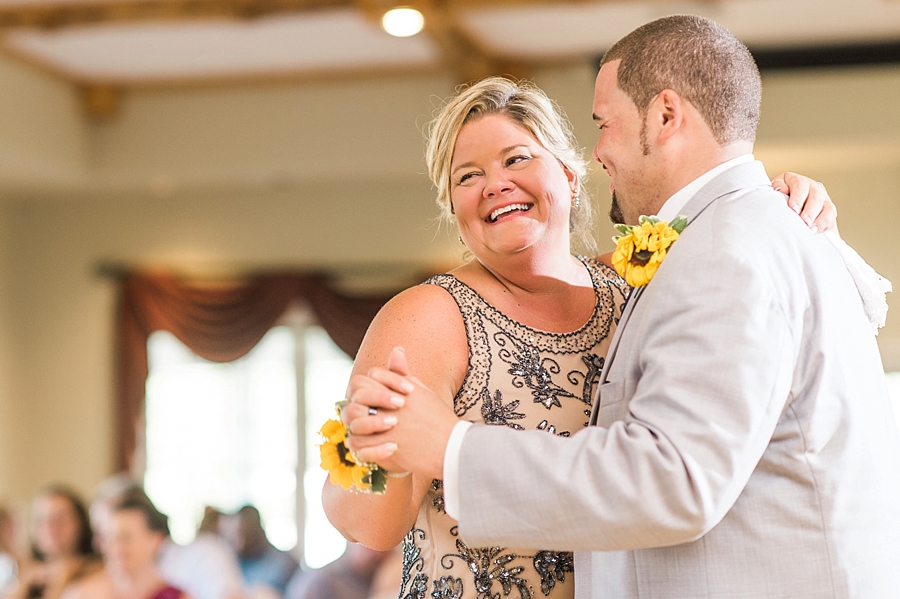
column 641, row 248
column 343, row 466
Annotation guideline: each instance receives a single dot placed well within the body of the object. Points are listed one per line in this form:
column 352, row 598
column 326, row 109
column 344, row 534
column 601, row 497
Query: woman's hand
column 809, row 199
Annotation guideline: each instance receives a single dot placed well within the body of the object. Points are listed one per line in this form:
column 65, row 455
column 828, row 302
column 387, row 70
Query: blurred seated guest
column 137, row 532
column 109, row 493
column 61, row 546
column 296, row 586
column 348, row 577
column 9, row 554
column 261, row 562
column 206, row 568
column 388, row 576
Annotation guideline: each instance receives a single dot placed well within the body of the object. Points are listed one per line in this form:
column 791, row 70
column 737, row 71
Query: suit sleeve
column 714, row 366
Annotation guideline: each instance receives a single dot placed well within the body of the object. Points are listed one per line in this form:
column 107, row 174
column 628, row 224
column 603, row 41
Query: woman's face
column 131, row 547
column 56, row 526
column 509, row 193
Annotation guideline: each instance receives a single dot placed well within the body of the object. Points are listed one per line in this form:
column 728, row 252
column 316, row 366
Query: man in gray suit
column 743, row 442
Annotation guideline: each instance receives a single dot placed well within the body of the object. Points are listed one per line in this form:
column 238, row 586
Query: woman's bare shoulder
column 423, row 307
column 425, row 321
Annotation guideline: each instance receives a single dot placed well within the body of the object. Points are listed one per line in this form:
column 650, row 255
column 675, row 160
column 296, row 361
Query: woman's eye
column 465, row 178
column 514, row 159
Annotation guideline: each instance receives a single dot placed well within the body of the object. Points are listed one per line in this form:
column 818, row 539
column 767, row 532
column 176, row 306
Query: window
column 230, row 434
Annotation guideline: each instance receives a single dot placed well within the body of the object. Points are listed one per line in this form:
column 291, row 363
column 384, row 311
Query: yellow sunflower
column 338, row 460
column 641, row 248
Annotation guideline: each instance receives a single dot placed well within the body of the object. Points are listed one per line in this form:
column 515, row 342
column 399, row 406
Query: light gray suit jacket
column 744, row 443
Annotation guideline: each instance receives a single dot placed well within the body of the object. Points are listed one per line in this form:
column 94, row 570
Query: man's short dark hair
column 700, row 60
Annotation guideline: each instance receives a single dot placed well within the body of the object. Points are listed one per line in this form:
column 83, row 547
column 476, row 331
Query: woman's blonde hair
column 530, row 108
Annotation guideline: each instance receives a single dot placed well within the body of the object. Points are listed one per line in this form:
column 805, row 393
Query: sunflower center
column 343, row 452
column 641, row 258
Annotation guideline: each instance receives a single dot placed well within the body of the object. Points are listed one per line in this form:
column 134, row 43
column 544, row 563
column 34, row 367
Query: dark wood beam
column 87, row 12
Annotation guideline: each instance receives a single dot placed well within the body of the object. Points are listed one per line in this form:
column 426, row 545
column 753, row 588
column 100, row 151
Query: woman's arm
column 424, row 320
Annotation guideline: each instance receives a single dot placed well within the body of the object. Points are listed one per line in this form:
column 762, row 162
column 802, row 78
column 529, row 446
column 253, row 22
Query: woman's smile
column 508, row 211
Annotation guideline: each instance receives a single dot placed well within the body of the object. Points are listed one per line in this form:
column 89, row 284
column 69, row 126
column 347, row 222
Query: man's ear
column 667, row 110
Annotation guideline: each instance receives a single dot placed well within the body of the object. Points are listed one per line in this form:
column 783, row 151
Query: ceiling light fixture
column 403, row 22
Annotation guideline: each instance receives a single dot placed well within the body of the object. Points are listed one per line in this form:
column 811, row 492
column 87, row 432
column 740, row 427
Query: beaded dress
column 521, row 378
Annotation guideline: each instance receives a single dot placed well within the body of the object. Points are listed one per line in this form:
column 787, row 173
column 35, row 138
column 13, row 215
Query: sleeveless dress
column 521, row 378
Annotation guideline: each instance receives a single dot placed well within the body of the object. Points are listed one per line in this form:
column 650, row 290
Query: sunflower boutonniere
column 641, row 248
column 343, row 467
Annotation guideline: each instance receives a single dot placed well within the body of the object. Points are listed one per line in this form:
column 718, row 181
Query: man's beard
column 615, row 211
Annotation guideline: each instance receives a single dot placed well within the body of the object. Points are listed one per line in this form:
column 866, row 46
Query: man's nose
column 596, row 154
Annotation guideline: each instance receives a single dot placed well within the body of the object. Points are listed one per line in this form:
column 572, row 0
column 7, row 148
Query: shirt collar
column 675, row 204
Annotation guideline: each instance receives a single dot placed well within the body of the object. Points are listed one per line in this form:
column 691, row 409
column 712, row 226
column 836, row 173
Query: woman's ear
column 574, row 181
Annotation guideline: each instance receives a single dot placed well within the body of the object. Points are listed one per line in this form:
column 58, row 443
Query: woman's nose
column 496, row 185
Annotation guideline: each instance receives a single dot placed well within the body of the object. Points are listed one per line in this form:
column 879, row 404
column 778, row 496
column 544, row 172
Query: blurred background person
column 137, row 532
column 9, row 550
column 62, row 553
column 388, row 575
column 205, row 568
column 348, row 577
column 262, row 564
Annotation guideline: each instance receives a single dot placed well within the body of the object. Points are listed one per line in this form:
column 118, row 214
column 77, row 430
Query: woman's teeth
column 512, row 207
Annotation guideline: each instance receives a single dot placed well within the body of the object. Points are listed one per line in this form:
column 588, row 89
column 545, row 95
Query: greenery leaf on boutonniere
column 641, row 248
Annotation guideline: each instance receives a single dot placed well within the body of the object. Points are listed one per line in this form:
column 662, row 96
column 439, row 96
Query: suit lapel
column 731, row 181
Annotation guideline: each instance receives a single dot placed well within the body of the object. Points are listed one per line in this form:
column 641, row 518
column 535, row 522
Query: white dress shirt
column 669, row 210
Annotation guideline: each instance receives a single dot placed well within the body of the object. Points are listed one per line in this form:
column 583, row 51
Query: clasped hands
column 397, row 422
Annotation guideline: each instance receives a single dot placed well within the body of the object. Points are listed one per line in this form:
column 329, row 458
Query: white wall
column 226, row 179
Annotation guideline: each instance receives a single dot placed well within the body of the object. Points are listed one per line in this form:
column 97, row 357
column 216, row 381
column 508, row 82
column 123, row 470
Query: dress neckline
column 589, row 265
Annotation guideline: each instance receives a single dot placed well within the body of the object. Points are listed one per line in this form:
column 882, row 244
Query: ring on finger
column 373, row 411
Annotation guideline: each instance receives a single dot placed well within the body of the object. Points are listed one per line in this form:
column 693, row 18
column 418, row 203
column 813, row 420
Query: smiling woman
column 513, row 338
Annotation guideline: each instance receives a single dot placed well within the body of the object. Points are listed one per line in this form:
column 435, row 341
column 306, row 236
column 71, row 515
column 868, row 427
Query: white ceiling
column 346, row 41
column 137, row 52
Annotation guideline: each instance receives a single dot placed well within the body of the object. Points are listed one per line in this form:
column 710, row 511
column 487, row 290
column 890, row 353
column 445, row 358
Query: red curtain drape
column 219, row 323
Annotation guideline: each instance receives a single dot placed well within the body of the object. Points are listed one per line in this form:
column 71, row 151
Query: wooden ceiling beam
column 54, row 16
column 468, row 59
